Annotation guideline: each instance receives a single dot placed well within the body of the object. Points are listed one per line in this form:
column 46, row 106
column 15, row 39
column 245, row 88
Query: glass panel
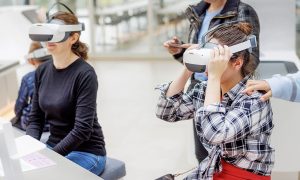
column 267, row 69
column 134, row 30
column 123, row 26
column 131, row 26
column 298, row 27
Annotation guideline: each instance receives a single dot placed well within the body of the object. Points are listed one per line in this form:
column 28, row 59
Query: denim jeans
column 88, row 161
column 91, row 162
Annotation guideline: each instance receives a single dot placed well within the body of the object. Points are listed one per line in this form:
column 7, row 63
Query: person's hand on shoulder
column 259, row 85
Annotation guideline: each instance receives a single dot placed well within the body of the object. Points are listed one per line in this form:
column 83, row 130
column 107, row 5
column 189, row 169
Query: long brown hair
column 231, row 34
column 79, row 48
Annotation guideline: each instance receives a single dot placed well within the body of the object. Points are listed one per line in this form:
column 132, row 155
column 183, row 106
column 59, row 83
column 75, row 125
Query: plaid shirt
column 238, row 129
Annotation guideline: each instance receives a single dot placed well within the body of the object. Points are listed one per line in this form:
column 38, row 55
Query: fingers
column 249, row 90
column 187, row 46
column 227, row 53
column 175, row 39
column 221, row 50
column 266, row 96
column 166, row 44
column 222, row 53
column 258, row 85
column 216, row 53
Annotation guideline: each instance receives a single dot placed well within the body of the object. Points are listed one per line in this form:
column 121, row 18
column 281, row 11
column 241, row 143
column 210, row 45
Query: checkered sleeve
column 175, row 108
column 222, row 126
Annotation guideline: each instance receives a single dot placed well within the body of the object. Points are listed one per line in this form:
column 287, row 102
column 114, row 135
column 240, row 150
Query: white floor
column 126, row 109
column 151, row 147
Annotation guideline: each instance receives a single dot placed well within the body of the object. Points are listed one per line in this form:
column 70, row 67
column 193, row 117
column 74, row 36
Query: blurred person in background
column 37, row 55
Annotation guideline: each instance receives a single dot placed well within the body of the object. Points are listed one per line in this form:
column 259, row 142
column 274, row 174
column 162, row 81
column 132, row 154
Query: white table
column 63, row 170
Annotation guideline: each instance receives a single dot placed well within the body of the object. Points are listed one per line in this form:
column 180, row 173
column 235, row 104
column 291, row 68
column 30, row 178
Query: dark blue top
column 23, row 103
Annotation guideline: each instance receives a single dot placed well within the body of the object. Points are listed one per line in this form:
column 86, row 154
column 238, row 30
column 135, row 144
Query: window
column 267, row 69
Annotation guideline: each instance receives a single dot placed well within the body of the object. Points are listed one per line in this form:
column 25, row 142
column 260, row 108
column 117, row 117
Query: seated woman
column 65, row 96
column 235, row 128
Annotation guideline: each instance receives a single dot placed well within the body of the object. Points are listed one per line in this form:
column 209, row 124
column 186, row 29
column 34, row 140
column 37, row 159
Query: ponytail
column 80, row 49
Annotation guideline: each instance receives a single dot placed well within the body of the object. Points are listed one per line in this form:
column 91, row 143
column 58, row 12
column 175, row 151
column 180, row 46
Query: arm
column 173, row 105
column 36, row 120
column 286, row 87
column 21, row 101
column 85, row 114
column 221, row 127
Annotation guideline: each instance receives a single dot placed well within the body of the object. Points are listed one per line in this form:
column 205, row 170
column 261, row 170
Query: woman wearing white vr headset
column 37, row 55
column 66, row 93
column 235, row 128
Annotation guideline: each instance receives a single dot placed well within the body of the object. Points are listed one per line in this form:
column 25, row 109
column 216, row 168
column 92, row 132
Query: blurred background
column 125, row 38
column 131, row 26
column 137, row 27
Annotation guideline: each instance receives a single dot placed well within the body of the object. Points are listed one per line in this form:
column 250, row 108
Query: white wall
column 278, row 37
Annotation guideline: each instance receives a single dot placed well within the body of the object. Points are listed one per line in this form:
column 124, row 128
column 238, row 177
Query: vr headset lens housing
column 54, row 31
column 197, row 59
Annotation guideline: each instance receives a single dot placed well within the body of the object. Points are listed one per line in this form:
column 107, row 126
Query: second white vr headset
column 40, row 54
column 196, row 59
column 53, row 31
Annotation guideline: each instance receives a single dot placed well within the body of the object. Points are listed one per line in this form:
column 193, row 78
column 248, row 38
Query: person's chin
column 51, row 46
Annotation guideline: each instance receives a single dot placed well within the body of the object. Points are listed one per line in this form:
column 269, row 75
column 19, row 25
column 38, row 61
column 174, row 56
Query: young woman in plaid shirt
column 235, row 128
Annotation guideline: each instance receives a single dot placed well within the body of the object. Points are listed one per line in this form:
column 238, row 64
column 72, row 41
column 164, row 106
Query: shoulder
column 245, row 6
column 85, row 69
column 252, row 102
column 247, row 11
column 29, row 75
column 85, row 73
column 43, row 67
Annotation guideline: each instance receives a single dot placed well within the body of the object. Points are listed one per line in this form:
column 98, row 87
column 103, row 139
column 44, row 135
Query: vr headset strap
column 70, row 28
column 249, row 44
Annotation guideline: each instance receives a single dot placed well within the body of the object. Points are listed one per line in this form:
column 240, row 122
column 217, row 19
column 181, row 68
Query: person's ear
column 74, row 38
column 238, row 63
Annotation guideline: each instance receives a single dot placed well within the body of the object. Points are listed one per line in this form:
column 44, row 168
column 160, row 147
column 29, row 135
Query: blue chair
column 114, row 169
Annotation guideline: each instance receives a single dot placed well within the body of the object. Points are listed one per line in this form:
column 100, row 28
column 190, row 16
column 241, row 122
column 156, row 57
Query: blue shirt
column 204, row 28
column 23, row 103
column 286, row 87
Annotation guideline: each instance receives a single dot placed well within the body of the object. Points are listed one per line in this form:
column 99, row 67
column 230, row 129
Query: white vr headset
column 39, row 54
column 54, row 31
column 196, row 59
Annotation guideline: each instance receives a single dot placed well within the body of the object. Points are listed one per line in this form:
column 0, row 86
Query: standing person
column 65, row 96
column 282, row 87
column 37, row 55
column 202, row 17
column 235, row 128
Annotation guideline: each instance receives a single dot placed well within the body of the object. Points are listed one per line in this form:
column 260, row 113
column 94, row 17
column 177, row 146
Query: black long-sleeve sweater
column 67, row 99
